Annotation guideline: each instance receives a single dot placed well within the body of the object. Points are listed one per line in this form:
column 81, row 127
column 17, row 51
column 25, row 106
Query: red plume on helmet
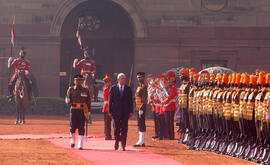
column 107, row 77
column 171, row 76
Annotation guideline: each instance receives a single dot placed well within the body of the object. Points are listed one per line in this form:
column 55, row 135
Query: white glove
column 26, row 72
column 75, row 62
column 267, row 117
column 10, row 59
column 67, row 100
column 140, row 112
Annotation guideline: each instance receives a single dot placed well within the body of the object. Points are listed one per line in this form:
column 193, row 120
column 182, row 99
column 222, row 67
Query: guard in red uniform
column 20, row 63
column 170, row 105
column 86, row 65
column 107, row 119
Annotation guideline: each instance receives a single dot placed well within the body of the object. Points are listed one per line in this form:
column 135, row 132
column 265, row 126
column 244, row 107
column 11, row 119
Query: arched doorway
column 113, row 41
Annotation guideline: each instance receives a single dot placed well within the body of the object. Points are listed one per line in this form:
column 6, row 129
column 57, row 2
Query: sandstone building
column 154, row 35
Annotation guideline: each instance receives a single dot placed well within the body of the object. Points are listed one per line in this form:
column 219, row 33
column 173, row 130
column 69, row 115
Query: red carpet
column 30, row 136
column 100, row 152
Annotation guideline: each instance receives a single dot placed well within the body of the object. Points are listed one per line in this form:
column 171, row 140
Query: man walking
column 79, row 98
column 121, row 109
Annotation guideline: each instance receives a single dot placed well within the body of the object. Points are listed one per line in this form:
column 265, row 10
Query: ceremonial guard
column 20, row 63
column 86, row 65
column 79, row 99
column 184, row 104
column 152, row 94
column 107, row 119
column 162, row 133
column 140, row 101
column 170, row 105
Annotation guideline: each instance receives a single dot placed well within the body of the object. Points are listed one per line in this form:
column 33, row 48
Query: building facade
column 150, row 35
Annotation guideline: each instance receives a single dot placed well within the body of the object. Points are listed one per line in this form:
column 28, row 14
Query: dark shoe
column 122, row 148
column 116, row 145
column 72, row 145
column 80, row 148
column 159, row 138
column 108, row 138
column 139, row 145
column 154, row 137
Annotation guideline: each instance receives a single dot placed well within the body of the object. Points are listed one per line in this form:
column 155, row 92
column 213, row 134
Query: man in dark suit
column 121, row 109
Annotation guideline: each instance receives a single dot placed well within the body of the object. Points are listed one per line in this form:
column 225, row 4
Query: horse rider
column 20, row 63
column 86, row 65
column 79, row 99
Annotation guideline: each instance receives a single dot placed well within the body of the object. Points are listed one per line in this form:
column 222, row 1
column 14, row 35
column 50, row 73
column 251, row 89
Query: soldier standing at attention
column 140, row 101
column 78, row 97
column 107, row 119
column 170, row 106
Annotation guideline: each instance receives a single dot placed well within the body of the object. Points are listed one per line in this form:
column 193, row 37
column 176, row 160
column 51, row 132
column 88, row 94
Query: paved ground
column 40, row 151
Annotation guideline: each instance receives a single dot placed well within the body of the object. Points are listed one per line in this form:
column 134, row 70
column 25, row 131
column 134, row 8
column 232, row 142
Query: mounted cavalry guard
column 79, row 99
column 20, row 63
column 86, row 65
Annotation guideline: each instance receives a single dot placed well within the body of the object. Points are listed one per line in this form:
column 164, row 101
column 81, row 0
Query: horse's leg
column 17, row 114
column 21, row 109
column 23, row 113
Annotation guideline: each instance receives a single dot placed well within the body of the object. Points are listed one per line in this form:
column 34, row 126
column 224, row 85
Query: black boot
column 29, row 90
column 10, row 91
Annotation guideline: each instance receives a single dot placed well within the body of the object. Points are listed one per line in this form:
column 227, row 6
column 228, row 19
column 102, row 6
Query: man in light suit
column 121, row 109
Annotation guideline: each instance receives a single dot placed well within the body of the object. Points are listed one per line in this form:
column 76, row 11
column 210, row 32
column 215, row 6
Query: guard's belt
column 78, row 106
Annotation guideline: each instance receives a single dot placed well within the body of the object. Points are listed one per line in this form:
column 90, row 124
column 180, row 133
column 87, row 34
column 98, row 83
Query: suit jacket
column 120, row 106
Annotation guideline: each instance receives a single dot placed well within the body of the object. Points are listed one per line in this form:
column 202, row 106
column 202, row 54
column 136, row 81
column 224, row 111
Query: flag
column 13, row 37
column 78, row 35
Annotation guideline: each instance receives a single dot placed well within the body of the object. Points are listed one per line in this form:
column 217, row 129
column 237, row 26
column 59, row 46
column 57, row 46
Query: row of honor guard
column 226, row 113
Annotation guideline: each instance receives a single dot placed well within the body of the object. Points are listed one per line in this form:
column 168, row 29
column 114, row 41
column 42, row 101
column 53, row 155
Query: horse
column 89, row 83
column 21, row 97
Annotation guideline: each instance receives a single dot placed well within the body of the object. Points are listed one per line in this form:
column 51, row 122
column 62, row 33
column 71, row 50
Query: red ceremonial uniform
column 19, row 63
column 170, row 100
column 151, row 102
column 106, row 92
column 86, row 66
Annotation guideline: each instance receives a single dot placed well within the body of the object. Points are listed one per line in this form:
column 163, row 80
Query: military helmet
column 22, row 52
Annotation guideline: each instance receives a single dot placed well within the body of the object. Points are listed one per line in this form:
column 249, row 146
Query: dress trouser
column 161, row 125
column 169, row 124
column 77, row 121
column 156, row 123
column 107, row 125
column 141, row 122
column 121, row 129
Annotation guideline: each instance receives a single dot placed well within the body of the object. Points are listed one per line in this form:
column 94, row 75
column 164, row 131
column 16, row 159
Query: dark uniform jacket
column 79, row 95
column 141, row 97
